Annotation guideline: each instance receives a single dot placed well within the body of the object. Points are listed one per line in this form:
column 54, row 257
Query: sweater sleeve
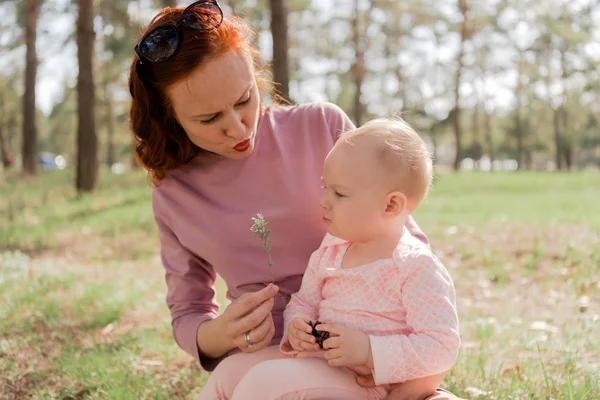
column 415, row 231
column 190, row 287
column 431, row 347
column 338, row 121
column 305, row 302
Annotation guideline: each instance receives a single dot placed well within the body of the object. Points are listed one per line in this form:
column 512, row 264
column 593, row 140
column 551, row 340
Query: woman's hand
column 300, row 336
column 248, row 323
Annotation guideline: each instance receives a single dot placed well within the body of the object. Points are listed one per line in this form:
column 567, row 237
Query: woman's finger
column 264, row 342
column 260, row 332
column 252, row 320
column 248, row 301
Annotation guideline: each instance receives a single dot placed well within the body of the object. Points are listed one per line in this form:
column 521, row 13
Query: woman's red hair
column 161, row 144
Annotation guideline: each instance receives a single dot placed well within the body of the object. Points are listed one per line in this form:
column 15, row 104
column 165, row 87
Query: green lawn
column 82, row 291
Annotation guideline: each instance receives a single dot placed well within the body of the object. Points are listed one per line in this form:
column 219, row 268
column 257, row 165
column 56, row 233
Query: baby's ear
column 396, row 204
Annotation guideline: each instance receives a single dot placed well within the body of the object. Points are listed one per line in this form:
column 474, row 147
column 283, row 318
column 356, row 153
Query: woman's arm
column 197, row 327
column 190, row 292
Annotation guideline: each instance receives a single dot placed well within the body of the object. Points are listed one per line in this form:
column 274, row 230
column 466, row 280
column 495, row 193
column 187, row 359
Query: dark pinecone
column 320, row 335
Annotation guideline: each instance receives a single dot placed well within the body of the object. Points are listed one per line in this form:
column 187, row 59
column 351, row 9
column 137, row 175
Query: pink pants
column 269, row 375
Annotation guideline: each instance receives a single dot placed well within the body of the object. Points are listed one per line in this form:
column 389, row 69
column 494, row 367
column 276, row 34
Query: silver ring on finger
column 248, row 341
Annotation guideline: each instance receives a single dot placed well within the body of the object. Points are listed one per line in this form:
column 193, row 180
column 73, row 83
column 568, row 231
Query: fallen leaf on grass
column 516, row 370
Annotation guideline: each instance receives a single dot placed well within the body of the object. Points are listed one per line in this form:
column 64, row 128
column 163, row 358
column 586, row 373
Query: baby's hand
column 300, row 337
column 346, row 347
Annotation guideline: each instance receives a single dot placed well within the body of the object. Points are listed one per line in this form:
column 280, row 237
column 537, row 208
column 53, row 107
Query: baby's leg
column 223, row 380
column 300, row 379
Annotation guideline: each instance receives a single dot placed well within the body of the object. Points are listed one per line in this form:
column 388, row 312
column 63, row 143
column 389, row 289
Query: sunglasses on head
column 162, row 42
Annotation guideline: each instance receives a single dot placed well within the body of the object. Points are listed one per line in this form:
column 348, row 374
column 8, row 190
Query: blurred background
column 491, row 84
column 506, row 93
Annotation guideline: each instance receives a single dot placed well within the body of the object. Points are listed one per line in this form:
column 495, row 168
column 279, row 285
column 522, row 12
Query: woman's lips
column 242, row 146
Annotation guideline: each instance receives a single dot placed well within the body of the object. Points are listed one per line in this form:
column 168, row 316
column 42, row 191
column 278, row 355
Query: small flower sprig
column 259, row 227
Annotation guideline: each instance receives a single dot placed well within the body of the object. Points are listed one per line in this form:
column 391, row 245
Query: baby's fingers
column 303, row 337
column 300, row 324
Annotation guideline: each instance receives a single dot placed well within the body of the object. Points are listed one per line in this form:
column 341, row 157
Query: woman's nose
column 236, row 128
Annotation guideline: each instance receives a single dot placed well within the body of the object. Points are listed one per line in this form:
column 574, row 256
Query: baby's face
column 354, row 200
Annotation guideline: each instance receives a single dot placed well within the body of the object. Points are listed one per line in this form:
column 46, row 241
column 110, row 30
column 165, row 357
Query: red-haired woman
column 217, row 157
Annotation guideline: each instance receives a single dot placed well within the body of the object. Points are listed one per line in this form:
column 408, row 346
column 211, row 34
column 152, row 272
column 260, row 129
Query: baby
column 386, row 303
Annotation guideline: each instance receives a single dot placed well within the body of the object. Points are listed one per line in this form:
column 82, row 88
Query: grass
column 82, row 289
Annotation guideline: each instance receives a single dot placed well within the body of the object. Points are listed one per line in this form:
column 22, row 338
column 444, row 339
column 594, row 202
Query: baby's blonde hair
column 403, row 154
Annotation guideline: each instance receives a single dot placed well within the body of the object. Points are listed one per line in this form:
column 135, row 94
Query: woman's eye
column 246, row 101
column 208, row 121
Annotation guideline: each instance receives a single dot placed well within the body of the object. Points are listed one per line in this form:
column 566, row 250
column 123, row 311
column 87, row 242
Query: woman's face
column 218, row 105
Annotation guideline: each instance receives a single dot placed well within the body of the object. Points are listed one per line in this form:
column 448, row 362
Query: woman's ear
column 396, row 205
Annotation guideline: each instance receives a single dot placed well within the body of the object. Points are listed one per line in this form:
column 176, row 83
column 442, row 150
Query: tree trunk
column 359, row 65
column 394, row 41
column 476, row 122
column 464, row 9
column 519, row 120
column 568, row 156
column 87, row 141
column 30, row 151
column 5, row 155
column 567, row 152
column 488, row 136
column 279, row 31
column 567, row 147
column 110, row 126
column 168, row 3
column 557, row 139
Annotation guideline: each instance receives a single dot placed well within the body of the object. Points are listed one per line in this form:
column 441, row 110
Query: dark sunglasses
column 162, row 42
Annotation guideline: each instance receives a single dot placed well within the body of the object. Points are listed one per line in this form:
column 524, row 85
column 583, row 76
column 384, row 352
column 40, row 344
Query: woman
column 217, row 159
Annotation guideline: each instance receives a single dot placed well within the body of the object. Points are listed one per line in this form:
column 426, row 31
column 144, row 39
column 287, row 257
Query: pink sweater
column 406, row 304
column 204, row 212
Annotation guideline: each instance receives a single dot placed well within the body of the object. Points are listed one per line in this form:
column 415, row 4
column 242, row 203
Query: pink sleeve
column 428, row 296
column 337, row 120
column 190, row 288
column 415, row 231
column 305, row 302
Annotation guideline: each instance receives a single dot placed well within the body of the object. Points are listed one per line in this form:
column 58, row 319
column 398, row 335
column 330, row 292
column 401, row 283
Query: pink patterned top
column 406, row 304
